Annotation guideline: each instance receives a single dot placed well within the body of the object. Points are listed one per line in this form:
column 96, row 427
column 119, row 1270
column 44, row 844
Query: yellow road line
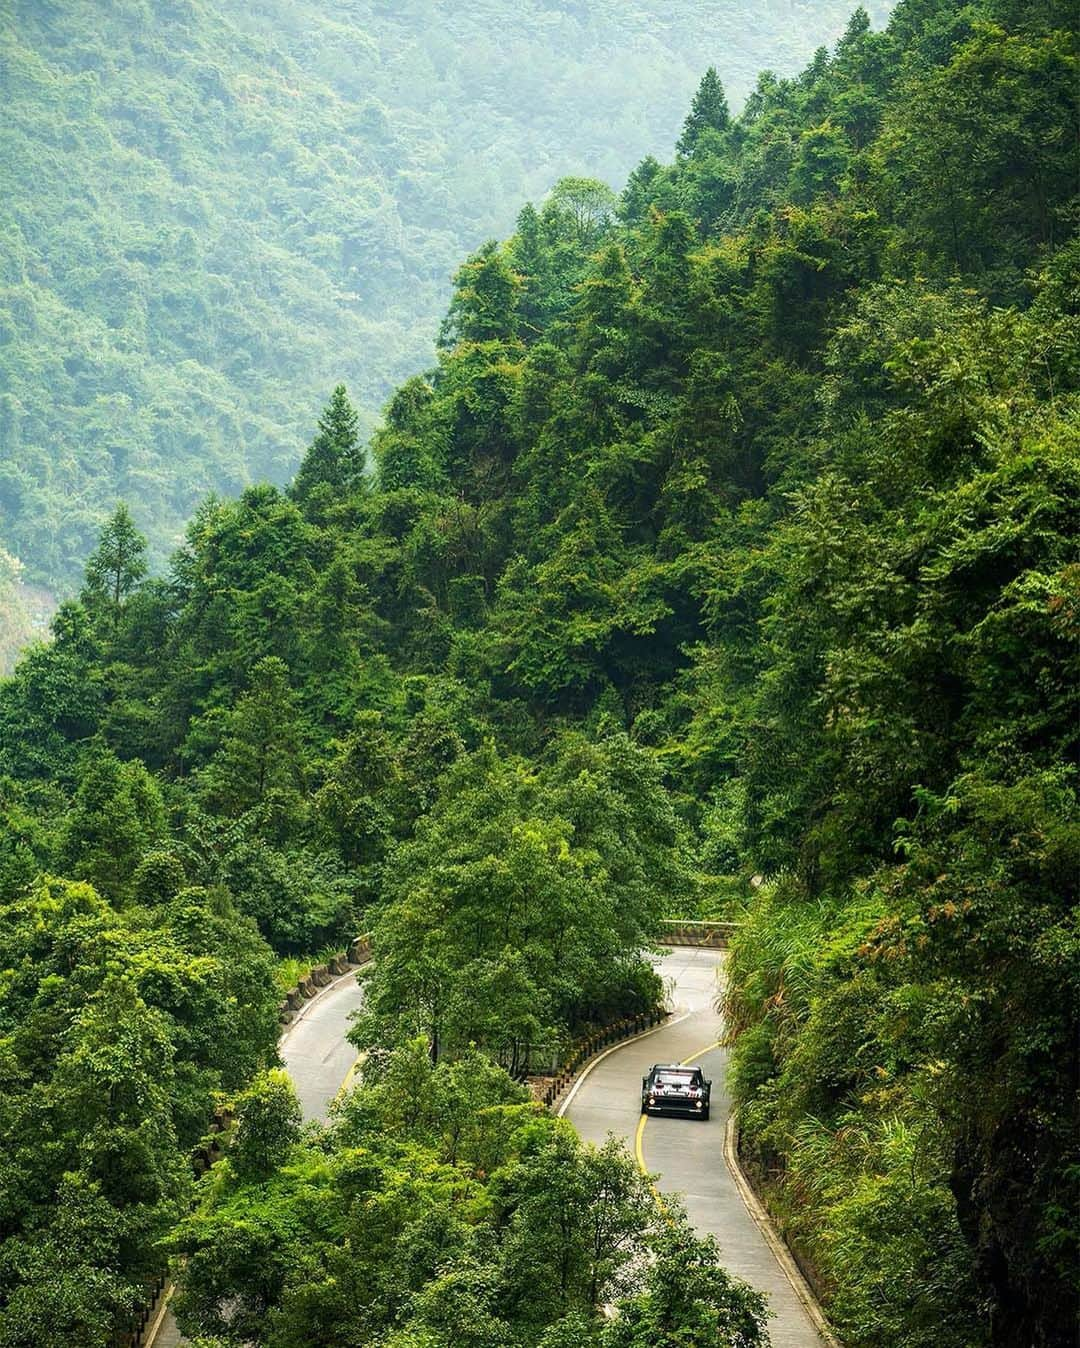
column 700, row 1053
column 639, row 1151
column 349, row 1075
column 637, row 1145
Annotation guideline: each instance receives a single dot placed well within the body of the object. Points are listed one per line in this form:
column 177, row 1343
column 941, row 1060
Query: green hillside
column 723, row 564
column 212, row 212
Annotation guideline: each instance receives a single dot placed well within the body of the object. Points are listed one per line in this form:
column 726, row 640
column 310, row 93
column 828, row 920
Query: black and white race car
column 671, row 1089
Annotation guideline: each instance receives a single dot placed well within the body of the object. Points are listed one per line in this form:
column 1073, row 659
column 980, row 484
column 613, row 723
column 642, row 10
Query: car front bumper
column 690, row 1107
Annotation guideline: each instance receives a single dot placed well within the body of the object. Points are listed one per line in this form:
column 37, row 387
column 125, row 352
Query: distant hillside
column 212, row 212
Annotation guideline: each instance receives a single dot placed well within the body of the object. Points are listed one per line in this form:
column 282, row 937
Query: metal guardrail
column 713, row 935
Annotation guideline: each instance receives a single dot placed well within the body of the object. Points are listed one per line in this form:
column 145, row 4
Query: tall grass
column 290, row 969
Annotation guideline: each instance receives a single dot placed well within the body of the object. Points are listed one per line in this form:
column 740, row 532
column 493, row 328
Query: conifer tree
column 336, row 457
column 636, row 197
column 858, row 27
column 529, row 261
column 709, row 111
column 117, row 564
column 260, row 750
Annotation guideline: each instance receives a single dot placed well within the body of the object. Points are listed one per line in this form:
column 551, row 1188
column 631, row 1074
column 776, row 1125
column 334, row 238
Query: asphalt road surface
column 688, row 1154
column 314, row 1049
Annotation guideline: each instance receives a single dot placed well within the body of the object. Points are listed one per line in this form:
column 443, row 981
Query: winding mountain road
column 686, row 1154
column 314, row 1049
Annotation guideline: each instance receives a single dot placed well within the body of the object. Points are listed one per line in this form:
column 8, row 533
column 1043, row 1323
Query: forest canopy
column 211, row 213
column 721, row 563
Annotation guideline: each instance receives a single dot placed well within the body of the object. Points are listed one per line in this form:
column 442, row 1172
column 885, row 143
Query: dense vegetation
column 442, row 1209
column 510, row 901
column 732, row 536
column 212, row 212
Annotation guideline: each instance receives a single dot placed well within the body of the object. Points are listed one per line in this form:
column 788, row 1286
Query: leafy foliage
column 117, row 1030
column 442, row 1208
column 730, row 539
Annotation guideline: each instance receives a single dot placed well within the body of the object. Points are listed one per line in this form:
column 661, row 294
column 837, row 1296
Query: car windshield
column 675, row 1078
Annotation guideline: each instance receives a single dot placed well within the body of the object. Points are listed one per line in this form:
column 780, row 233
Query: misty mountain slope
column 211, row 213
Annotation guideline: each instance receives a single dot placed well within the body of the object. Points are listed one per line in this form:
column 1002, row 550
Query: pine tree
column 530, row 262
column 336, row 457
column 260, row 750
column 858, row 27
column 637, row 197
column 116, row 566
column 709, row 111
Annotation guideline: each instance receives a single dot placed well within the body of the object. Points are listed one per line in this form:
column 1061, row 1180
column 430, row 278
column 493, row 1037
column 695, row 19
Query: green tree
column 356, row 803
column 822, row 160
column 334, row 464
column 267, row 1125
column 116, row 566
column 487, row 910
column 583, row 206
column 116, row 816
column 259, row 755
column 578, row 1219
column 708, row 112
column 485, row 300
column 688, row 1299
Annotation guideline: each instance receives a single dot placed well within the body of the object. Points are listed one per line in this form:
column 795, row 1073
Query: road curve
column 687, row 1154
column 314, row 1049
column 319, row 1059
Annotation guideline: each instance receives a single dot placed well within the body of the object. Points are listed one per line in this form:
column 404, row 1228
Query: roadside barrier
column 713, row 935
column 358, row 953
column 146, row 1314
column 548, row 1089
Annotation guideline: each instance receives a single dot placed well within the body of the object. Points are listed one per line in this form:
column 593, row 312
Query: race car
column 672, row 1089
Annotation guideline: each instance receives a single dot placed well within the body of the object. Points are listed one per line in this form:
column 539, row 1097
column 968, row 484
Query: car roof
column 672, row 1067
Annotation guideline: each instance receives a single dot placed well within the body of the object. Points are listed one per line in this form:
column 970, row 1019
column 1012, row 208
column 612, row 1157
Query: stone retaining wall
column 359, row 952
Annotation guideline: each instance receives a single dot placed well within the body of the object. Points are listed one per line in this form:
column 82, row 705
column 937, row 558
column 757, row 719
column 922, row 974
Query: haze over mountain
column 213, row 212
